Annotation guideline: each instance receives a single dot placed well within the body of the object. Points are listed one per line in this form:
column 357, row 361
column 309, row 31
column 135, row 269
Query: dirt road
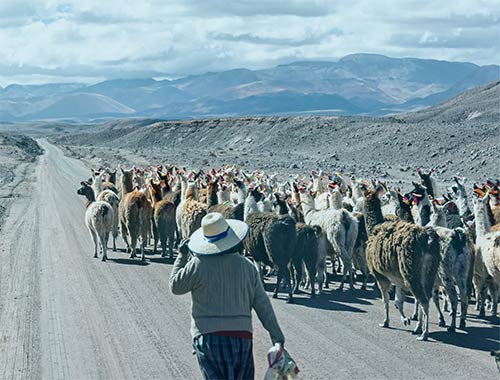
column 66, row 315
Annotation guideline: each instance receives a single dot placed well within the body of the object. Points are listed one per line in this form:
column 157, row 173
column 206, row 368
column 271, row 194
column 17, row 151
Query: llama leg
column 325, row 271
column 155, row 237
column 481, row 300
column 133, row 244
column 366, row 274
column 104, row 247
column 171, row 245
column 435, row 298
column 464, row 301
column 351, row 277
column 424, row 318
column 320, row 271
column 400, row 299
column 446, row 306
column 414, row 316
column 452, row 294
column 95, row 240
column 124, row 230
column 418, row 328
column 294, row 273
column 345, row 268
column 286, row 274
column 385, row 286
column 494, row 299
column 278, row 281
column 144, row 241
column 312, row 276
column 163, row 240
column 114, row 243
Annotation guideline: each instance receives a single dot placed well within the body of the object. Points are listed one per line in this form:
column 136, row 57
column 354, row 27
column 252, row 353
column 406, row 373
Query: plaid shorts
column 224, row 357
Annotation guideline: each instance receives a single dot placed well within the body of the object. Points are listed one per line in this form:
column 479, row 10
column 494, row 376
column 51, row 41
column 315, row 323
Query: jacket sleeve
column 265, row 312
column 183, row 277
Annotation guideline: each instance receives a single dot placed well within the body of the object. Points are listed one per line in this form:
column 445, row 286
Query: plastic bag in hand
column 281, row 364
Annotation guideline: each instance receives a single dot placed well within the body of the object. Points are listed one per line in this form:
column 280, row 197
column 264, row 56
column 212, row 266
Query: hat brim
column 199, row 244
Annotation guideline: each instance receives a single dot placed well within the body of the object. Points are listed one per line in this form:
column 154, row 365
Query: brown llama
column 135, row 213
column 164, row 225
column 403, row 254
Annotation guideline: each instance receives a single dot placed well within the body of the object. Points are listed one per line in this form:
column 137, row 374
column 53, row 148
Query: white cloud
column 95, row 39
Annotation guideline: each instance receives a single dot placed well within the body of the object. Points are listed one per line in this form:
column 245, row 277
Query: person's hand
column 183, row 247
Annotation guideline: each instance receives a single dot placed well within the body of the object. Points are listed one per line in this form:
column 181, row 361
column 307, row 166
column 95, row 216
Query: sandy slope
column 65, row 315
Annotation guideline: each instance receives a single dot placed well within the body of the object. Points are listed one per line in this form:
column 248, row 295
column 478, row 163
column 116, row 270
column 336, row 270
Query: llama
column 192, row 212
column 428, row 182
column 422, row 203
column 341, row 229
column 251, row 206
column 98, row 184
column 135, row 214
column 461, row 197
column 308, row 250
column 453, row 268
column 271, row 241
column 164, row 226
column 98, row 219
column 359, row 254
column 113, row 200
column 488, row 245
column 404, row 254
column 228, row 209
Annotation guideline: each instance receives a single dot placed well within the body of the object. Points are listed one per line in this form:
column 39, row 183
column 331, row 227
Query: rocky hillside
column 17, row 152
column 461, row 136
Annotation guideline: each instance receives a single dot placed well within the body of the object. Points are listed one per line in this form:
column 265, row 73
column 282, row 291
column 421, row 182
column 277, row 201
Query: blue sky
column 92, row 40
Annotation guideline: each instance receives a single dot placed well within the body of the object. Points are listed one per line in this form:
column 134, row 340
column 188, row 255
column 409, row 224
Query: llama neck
column 372, row 212
column 223, row 196
column 438, row 219
column 482, row 224
column 97, row 185
column 318, row 185
column 126, row 185
column 250, row 208
column 191, row 193
column 212, row 198
column 490, row 219
column 404, row 213
column 242, row 193
column 463, row 204
column 424, row 210
column 90, row 197
column 336, row 200
column 307, row 203
column 282, row 208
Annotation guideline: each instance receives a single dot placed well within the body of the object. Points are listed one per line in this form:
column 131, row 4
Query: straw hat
column 217, row 235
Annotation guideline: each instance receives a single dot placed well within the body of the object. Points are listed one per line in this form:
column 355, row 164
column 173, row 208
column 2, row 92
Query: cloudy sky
column 91, row 40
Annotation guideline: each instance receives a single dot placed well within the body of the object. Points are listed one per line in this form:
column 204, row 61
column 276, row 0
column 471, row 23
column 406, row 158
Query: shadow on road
column 136, row 261
column 324, row 303
column 475, row 338
column 162, row 260
column 329, row 300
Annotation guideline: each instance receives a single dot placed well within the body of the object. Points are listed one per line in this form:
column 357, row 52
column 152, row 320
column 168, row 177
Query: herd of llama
column 435, row 247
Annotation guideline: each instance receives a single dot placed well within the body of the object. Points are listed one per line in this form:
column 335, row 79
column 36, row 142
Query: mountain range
column 358, row 84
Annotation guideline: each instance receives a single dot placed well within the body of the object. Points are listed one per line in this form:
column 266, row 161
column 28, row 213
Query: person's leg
column 222, row 357
column 206, row 349
column 244, row 365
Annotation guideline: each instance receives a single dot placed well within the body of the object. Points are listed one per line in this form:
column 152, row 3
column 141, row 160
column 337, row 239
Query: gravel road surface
column 66, row 315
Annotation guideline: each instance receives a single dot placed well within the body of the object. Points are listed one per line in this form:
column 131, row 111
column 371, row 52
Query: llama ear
column 83, row 183
column 121, row 170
